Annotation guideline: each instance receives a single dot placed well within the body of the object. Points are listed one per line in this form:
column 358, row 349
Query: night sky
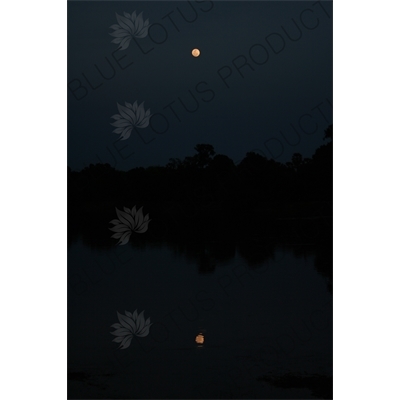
column 252, row 89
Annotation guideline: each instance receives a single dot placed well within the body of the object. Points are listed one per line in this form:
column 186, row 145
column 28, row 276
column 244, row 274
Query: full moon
column 195, row 52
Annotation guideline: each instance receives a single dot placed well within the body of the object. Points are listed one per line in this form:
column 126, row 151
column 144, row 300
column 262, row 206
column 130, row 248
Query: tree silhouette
column 204, row 155
column 202, row 158
column 329, row 132
column 207, row 196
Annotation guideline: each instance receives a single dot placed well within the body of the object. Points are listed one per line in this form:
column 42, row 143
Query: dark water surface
column 266, row 325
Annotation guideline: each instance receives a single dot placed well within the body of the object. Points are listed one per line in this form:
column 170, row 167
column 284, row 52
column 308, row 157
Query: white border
column 33, row 207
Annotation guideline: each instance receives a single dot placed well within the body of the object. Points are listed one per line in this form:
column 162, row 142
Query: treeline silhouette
column 206, row 207
column 207, row 194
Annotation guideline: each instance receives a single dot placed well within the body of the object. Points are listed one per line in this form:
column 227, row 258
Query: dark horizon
column 178, row 161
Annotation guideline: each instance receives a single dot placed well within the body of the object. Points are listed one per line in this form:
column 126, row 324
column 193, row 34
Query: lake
column 265, row 324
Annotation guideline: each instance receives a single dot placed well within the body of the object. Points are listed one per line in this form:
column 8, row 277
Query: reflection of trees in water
column 324, row 263
column 256, row 252
column 322, row 251
column 203, row 248
column 209, row 255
